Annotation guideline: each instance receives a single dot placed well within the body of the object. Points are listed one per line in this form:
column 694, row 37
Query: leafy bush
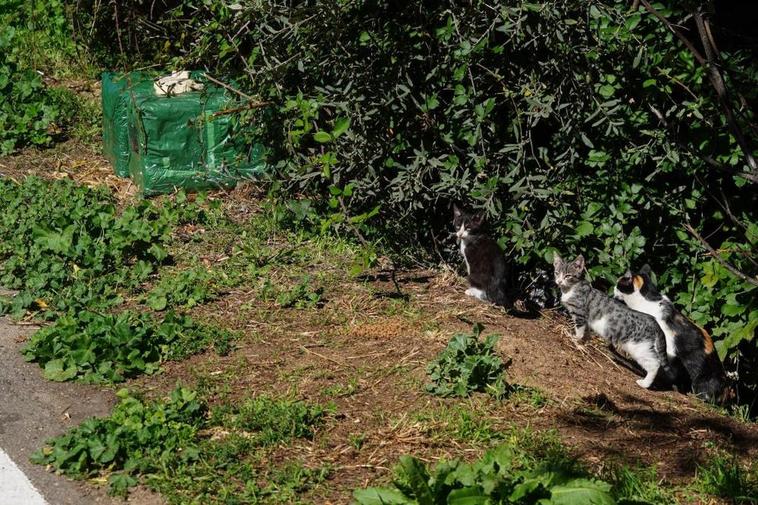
column 64, row 246
column 499, row 477
column 44, row 36
column 30, row 113
column 578, row 126
column 93, row 347
column 185, row 288
column 137, row 437
column 467, row 365
column 35, row 42
column 166, row 442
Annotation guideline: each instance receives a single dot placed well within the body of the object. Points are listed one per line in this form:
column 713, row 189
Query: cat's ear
column 557, row 260
column 456, row 211
column 578, row 263
column 477, row 221
column 646, row 270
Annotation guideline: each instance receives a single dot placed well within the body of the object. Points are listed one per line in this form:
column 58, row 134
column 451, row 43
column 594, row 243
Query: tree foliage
column 576, row 126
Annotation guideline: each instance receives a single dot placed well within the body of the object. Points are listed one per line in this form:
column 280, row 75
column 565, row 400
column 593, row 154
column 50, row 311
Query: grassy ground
column 356, row 344
column 322, row 387
column 309, row 335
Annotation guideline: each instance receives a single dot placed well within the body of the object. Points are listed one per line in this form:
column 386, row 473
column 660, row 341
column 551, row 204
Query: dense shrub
column 35, row 42
column 578, row 126
column 65, row 247
column 28, row 110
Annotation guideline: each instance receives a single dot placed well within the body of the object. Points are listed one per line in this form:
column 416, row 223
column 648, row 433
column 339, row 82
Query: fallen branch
column 718, row 258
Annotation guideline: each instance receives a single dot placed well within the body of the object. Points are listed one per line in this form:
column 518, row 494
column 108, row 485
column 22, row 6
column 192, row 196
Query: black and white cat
column 485, row 261
column 686, row 343
column 635, row 333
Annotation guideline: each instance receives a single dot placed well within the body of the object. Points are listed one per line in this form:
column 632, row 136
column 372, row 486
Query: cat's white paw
column 578, row 342
column 645, row 383
column 477, row 293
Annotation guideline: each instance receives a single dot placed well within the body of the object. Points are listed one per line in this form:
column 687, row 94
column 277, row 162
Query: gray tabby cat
column 635, row 333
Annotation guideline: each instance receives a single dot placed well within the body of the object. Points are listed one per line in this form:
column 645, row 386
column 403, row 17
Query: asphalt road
column 33, row 409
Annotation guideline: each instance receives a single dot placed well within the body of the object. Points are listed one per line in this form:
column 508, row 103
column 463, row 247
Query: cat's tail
column 671, row 373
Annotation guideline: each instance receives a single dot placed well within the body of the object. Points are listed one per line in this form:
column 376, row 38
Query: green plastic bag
column 164, row 142
column 115, row 92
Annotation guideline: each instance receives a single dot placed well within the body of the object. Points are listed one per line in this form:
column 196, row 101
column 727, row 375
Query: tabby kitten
column 635, row 333
column 485, row 261
column 685, row 341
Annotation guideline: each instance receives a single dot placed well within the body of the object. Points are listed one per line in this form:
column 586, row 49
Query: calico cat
column 685, row 341
column 485, row 261
column 635, row 333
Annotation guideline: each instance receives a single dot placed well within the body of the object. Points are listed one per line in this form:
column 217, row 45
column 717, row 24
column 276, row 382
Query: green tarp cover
column 190, row 140
column 115, row 97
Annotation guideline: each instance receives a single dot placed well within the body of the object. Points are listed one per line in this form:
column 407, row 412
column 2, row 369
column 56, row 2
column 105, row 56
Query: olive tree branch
column 717, row 257
column 714, row 76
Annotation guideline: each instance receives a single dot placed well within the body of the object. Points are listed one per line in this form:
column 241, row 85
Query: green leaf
column 381, row 496
column 733, row 339
column 530, row 487
column 632, row 21
column 584, row 229
column 580, row 492
column 341, row 125
column 732, row 310
column 157, row 302
column 158, row 252
column 431, row 103
column 322, row 137
column 606, row 90
column 413, row 478
column 468, row 496
column 56, row 370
